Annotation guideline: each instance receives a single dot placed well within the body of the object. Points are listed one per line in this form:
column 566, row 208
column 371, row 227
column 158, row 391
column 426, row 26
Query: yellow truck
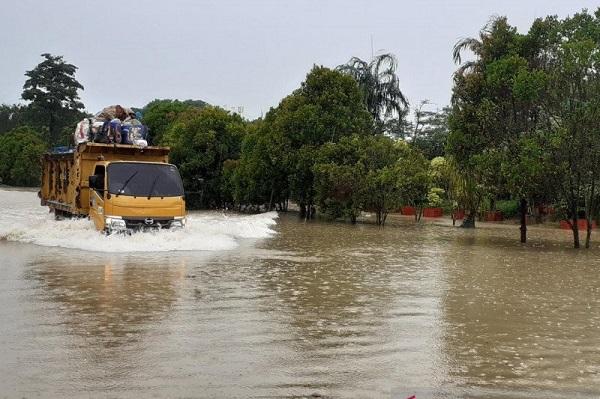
column 121, row 188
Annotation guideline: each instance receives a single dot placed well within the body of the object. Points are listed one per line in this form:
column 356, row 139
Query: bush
column 509, row 208
column 435, row 197
column 20, row 153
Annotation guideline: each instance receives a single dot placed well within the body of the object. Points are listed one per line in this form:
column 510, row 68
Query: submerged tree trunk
column 302, row 210
column 589, row 211
column 588, row 234
column 418, row 213
column 523, row 220
column 271, row 199
column 574, row 226
column 469, row 220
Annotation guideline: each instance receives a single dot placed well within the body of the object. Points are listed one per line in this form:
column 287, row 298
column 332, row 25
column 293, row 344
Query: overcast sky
column 242, row 53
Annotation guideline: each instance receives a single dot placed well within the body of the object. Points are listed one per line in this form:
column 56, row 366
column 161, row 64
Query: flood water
column 267, row 306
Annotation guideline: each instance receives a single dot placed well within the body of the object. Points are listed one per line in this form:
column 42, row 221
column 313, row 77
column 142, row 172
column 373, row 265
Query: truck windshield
column 144, row 180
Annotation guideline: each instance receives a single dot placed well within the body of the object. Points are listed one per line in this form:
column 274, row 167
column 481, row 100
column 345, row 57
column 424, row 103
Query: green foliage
column 528, row 86
column 327, row 107
column 158, row 115
column 261, row 177
column 20, row 153
column 571, row 99
column 414, row 178
column 53, row 91
column 495, row 113
column 430, row 131
column 438, row 171
column 202, row 141
column 366, row 173
column 340, row 178
column 525, row 111
column 13, row 116
column 509, row 208
column 435, row 197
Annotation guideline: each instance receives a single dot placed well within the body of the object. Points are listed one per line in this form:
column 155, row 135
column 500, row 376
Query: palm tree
column 495, row 28
column 379, row 85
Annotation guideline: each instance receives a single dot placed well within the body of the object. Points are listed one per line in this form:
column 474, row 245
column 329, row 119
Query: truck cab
column 133, row 196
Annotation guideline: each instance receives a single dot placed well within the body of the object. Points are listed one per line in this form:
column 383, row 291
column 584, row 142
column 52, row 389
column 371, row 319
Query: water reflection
column 109, row 302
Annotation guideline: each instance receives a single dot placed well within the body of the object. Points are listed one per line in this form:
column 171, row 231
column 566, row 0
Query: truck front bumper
column 119, row 224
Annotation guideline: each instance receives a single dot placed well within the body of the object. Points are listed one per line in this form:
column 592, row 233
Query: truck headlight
column 115, row 223
column 178, row 221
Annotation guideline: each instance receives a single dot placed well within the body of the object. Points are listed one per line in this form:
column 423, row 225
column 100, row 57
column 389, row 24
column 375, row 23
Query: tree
column 261, row 176
column 527, row 106
column 53, row 91
column 413, row 179
column 430, row 131
column 530, row 174
column 340, row 178
column 572, row 61
column 367, row 173
column 495, row 110
column 13, row 116
column 445, row 176
column 202, row 141
column 327, row 107
column 20, row 153
column 158, row 115
column 379, row 86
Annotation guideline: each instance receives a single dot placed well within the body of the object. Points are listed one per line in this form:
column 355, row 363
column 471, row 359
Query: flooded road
column 267, row 306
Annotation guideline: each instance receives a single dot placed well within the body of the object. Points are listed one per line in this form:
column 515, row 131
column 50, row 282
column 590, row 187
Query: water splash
column 24, row 220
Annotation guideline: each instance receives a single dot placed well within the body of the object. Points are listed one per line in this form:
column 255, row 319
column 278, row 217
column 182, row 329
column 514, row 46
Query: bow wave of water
column 24, row 220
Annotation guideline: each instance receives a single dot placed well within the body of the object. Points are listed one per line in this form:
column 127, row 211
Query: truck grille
column 147, row 223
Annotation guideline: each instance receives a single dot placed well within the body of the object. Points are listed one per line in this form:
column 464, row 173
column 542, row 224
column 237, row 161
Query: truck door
column 97, row 198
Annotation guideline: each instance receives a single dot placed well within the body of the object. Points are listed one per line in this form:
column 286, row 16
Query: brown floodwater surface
column 268, row 307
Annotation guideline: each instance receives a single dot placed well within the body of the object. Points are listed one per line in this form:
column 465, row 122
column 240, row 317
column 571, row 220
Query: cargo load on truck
column 113, row 125
column 119, row 187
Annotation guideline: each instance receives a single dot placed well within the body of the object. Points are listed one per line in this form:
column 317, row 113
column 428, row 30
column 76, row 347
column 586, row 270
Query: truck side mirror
column 96, row 182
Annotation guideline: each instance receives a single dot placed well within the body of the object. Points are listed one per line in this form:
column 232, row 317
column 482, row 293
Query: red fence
column 581, row 224
column 433, row 212
column 408, row 210
column 495, row 216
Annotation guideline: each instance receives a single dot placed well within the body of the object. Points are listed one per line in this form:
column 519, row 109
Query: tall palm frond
column 468, row 66
column 467, row 43
column 378, row 84
column 475, row 45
